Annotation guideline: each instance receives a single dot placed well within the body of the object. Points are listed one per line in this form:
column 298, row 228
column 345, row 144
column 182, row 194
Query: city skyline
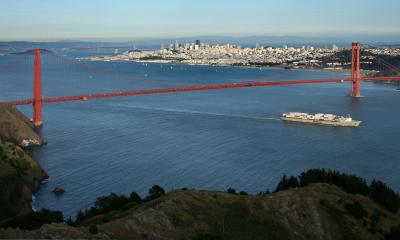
column 53, row 20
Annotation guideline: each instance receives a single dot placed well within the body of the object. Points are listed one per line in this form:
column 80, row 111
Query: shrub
column 385, row 196
column 349, row 183
column 93, row 229
column 378, row 191
column 113, row 202
column 243, row 193
column 70, row 222
column 207, row 237
column 231, row 190
column 394, row 234
column 34, row 220
column 80, row 216
column 11, row 184
column 155, row 192
column 356, row 210
column 2, row 153
column 103, row 205
column 135, row 197
column 287, row 183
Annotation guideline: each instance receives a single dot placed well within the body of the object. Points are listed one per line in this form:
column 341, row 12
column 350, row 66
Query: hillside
column 319, row 211
column 315, row 212
column 20, row 175
column 17, row 128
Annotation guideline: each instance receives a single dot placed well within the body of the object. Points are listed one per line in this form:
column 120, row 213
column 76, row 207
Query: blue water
column 209, row 140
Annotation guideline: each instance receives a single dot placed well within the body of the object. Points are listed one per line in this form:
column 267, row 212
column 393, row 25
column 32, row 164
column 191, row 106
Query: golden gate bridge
column 37, row 100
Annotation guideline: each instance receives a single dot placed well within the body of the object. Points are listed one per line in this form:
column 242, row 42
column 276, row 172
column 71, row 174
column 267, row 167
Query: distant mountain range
column 248, row 41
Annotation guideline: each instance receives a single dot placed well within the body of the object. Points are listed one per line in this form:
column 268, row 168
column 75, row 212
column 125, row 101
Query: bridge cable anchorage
column 102, row 71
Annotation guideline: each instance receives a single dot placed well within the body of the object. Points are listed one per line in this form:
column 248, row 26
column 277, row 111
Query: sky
column 135, row 19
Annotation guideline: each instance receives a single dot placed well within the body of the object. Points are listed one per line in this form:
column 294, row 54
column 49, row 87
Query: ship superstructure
column 321, row 118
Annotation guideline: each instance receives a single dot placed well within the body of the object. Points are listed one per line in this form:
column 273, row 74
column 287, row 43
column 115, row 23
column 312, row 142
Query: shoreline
column 279, row 66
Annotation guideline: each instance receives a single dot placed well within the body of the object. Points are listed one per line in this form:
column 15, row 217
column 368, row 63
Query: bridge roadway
column 191, row 89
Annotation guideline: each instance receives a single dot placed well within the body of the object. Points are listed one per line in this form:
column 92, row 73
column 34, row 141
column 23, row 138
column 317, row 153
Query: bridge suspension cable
column 38, row 100
column 104, row 72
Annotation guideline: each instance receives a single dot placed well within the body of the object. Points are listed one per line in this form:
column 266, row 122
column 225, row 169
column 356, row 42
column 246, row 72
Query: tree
column 394, row 234
column 34, row 220
column 80, row 216
column 385, row 196
column 349, row 183
column 231, row 190
column 111, row 202
column 356, row 209
column 93, row 229
column 155, row 192
column 243, row 193
column 135, row 197
column 286, row 183
column 2, row 153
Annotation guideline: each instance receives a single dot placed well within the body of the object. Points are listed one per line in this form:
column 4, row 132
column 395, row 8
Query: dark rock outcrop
column 58, row 190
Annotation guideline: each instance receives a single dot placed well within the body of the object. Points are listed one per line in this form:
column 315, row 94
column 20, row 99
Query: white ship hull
column 352, row 123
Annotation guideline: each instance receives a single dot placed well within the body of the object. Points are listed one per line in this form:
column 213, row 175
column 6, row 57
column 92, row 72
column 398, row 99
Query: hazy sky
column 83, row 19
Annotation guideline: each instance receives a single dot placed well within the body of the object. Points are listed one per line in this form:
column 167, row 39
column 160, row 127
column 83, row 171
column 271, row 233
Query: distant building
column 198, row 42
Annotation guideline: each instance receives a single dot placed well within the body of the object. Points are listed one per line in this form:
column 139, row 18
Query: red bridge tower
column 355, row 70
column 37, row 90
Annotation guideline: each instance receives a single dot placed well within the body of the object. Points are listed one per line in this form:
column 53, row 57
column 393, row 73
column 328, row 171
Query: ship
column 321, row 119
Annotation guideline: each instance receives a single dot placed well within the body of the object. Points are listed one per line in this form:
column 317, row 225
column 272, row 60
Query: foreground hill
column 315, row 212
column 318, row 211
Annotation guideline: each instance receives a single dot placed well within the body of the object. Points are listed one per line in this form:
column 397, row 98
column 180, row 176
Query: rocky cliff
column 17, row 128
column 20, row 174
